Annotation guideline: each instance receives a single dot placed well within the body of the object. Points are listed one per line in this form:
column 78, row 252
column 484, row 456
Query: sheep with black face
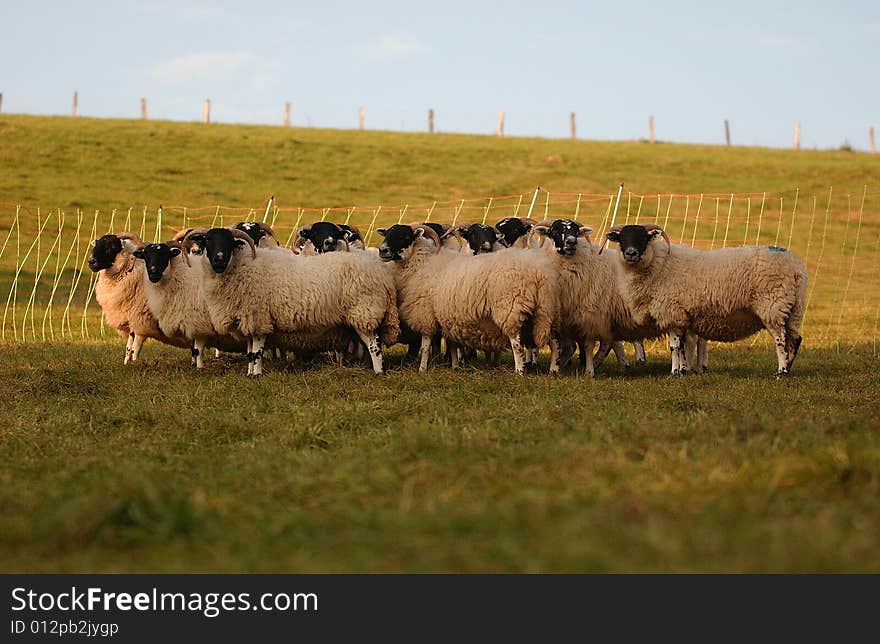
column 175, row 297
column 120, row 292
column 293, row 299
column 723, row 295
column 261, row 233
column 327, row 237
column 485, row 302
column 591, row 308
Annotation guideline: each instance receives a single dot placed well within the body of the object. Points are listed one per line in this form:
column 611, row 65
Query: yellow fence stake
column 793, row 211
column 32, row 299
column 687, row 205
column 373, row 223
column 577, row 206
column 727, row 226
column 696, row 221
column 489, row 206
column 852, row 266
column 715, row 229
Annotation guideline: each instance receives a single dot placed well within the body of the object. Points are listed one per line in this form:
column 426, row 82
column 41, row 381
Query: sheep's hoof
column 782, row 373
column 255, row 375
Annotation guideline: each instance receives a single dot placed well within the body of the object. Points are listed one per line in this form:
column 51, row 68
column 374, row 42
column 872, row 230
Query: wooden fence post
column 144, row 108
column 870, row 134
column 574, row 131
column 1, row 101
column 431, row 121
column 361, row 118
column 797, row 135
column 500, row 129
column 287, row 114
column 206, row 112
column 651, row 128
column 75, row 102
column 727, row 131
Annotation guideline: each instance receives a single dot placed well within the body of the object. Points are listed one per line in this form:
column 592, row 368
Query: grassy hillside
column 153, row 467
column 91, row 163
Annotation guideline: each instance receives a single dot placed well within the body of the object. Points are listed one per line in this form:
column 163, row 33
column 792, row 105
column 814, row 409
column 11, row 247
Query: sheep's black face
column 565, row 233
column 253, row 230
column 510, row 230
column 633, row 242
column 104, row 252
column 324, row 235
column 157, row 257
column 218, row 244
column 396, row 239
column 480, row 237
column 437, row 228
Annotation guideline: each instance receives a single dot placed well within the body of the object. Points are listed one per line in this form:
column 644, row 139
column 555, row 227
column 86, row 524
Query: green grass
column 155, row 468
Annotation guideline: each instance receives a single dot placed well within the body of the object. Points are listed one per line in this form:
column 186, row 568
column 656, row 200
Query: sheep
column 477, row 239
column 590, row 307
column 515, row 232
column 325, row 236
column 261, row 233
column 291, row 299
column 723, row 295
column 175, row 296
column 120, row 293
column 484, row 302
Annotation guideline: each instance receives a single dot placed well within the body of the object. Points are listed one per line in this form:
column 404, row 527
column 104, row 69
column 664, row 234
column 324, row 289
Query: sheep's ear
column 612, row 235
column 139, row 253
column 174, row 252
column 381, row 231
column 542, row 230
column 462, row 230
column 585, row 231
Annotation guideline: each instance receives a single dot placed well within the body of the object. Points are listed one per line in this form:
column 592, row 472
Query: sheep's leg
column 454, row 353
column 620, row 354
column 518, row 354
column 639, row 346
column 216, row 353
column 425, row 352
column 375, row 350
column 136, row 346
column 256, row 354
column 587, row 360
column 794, row 343
column 679, row 356
column 703, row 355
column 248, row 354
column 602, row 353
column 582, row 357
column 198, row 350
column 129, row 342
column 690, row 348
column 554, row 353
column 779, row 338
column 566, row 352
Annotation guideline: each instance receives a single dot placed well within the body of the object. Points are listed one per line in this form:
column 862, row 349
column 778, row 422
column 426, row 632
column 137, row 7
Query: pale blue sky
column 763, row 65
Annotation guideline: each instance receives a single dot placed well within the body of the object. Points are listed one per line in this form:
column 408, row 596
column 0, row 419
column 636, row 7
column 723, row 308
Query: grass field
column 317, row 468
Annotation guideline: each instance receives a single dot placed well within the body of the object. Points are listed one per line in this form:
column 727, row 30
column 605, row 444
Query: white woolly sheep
column 486, row 302
column 120, row 292
column 723, row 295
column 293, row 299
column 176, row 299
column 591, row 308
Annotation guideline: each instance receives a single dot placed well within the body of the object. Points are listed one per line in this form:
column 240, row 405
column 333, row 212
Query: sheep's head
column 157, row 257
column 106, row 249
column 352, row 235
column 479, row 237
column 218, row 244
column 635, row 242
column 511, row 229
column 564, row 233
column 398, row 240
column 257, row 231
column 324, row 235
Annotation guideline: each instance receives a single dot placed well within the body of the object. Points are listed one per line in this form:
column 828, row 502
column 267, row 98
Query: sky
column 762, row 65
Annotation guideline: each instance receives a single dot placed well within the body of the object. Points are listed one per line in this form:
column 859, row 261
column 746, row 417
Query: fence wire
column 49, row 291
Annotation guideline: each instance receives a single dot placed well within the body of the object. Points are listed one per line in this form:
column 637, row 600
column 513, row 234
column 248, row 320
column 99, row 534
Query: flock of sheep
column 520, row 285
